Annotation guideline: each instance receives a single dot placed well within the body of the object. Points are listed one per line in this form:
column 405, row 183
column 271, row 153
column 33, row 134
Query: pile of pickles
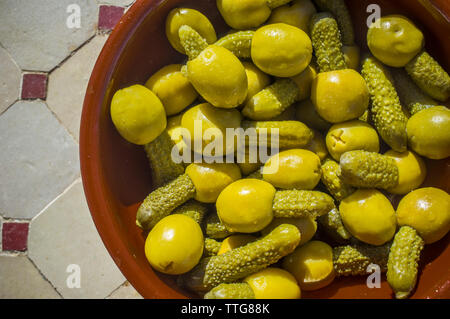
column 353, row 129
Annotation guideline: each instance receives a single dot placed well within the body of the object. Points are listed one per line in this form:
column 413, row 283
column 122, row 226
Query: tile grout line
column 57, row 197
column 62, row 124
column 115, row 289
column 27, row 255
column 44, row 277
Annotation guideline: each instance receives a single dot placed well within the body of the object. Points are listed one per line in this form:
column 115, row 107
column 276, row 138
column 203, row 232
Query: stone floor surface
column 49, row 246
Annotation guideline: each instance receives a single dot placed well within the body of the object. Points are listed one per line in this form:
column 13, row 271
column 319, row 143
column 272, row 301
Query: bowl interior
column 116, row 174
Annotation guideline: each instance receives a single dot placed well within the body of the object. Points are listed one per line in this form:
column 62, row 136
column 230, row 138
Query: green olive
column 173, row 88
column 429, row 132
column 244, row 14
column 219, row 77
column 213, row 119
column 281, row 50
column 193, row 18
column 351, row 136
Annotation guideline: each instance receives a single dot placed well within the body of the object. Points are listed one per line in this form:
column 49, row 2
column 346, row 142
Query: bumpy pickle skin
column 291, row 134
column 369, row 170
column 271, row 101
column 332, row 179
column 353, row 260
column 214, row 227
column 333, row 226
column 299, row 203
column 243, row 261
column 211, row 247
column 403, row 261
column 340, row 11
column 429, row 76
column 239, row 43
column 164, row 200
column 231, row 291
column 326, row 40
column 411, row 96
column 385, row 111
column 192, row 42
column 193, row 209
column 159, row 154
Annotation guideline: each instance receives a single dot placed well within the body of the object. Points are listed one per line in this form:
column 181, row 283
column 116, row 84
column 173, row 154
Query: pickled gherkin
column 159, row 154
column 214, row 227
column 340, row 11
column 272, row 100
column 429, row 76
column 326, row 40
column 300, row 203
column 411, row 96
column 192, row 42
column 332, row 179
column 333, row 226
column 368, row 169
column 291, row 134
column 386, row 111
column 403, row 261
column 353, row 260
column 193, row 209
column 163, row 201
column 231, row 291
column 242, row 261
column 239, row 43
column 211, row 247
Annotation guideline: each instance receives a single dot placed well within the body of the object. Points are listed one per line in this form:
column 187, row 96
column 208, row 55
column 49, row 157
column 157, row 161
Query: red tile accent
column 109, row 16
column 34, row 86
column 14, row 236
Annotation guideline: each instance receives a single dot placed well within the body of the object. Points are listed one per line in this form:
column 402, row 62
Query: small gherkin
column 214, row 227
column 332, row 224
column 386, row 111
column 429, row 76
column 239, row 43
column 403, row 261
column 211, row 247
column 192, row 42
column 242, row 261
column 353, row 260
column 332, row 179
column 300, row 203
column 231, row 291
column 411, row 96
column 291, row 134
column 340, row 11
column 271, row 101
column 164, row 200
column 193, row 209
column 159, row 154
column 369, row 170
column 326, row 40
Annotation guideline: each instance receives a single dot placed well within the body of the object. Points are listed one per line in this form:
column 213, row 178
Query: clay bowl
column 116, row 175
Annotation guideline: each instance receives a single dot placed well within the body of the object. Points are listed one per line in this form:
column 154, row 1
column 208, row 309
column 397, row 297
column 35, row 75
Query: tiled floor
column 49, row 247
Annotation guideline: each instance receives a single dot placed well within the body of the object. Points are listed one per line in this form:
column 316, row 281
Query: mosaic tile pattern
column 54, row 250
column 14, row 236
column 45, row 160
column 34, row 86
column 47, row 236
